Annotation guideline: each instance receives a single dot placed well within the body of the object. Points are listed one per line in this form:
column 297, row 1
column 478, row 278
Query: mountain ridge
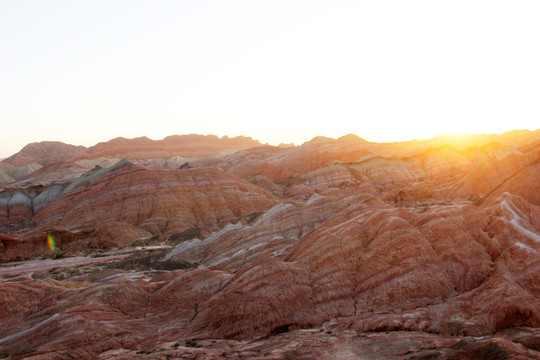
column 421, row 249
column 21, row 158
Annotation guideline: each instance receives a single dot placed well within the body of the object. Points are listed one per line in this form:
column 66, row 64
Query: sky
column 82, row 72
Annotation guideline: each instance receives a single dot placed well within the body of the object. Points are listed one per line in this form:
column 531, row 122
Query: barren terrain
column 198, row 247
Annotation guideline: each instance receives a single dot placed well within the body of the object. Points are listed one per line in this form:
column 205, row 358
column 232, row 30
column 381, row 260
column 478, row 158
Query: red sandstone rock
column 264, row 297
column 10, row 173
column 362, row 251
column 523, row 183
column 58, row 172
column 250, row 162
column 43, row 153
column 158, row 201
column 176, row 145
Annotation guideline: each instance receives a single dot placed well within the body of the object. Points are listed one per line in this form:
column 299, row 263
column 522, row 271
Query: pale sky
column 279, row 71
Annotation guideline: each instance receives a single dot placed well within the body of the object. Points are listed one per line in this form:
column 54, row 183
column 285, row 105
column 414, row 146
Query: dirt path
column 36, row 265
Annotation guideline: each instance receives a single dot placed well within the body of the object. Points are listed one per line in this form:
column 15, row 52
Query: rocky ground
column 336, row 249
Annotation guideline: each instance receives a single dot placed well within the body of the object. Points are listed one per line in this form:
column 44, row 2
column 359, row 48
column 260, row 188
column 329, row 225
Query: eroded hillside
column 335, row 249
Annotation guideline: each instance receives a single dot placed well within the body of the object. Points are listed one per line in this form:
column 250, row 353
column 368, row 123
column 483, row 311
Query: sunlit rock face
column 151, row 202
column 336, row 249
column 43, row 153
column 521, row 183
column 158, row 201
column 188, row 146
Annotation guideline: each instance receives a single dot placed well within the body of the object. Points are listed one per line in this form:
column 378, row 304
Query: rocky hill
column 43, row 153
column 188, row 146
column 334, row 249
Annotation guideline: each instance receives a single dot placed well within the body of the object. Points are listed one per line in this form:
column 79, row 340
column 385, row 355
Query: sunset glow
column 347, row 179
column 280, row 71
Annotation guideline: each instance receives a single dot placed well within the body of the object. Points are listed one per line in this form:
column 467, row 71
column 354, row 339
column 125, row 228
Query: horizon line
column 454, row 134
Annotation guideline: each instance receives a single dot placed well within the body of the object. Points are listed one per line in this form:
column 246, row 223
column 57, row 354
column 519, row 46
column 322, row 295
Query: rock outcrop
column 336, row 249
column 10, row 173
column 137, row 200
column 44, row 153
column 158, row 201
column 189, row 146
column 53, row 173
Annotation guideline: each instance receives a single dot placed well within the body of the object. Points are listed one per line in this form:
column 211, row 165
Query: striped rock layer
column 336, row 249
